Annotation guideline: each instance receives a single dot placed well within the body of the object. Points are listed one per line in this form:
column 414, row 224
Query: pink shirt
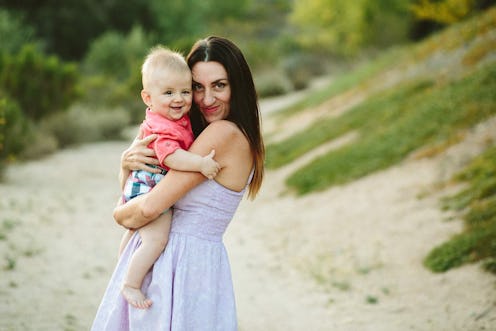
column 171, row 134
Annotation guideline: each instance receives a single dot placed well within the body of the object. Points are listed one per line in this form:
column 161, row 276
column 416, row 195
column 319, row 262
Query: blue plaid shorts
column 140, row 182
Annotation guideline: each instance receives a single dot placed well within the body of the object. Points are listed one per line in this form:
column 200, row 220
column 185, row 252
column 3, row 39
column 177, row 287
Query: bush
column 300, row 68
column 117, row 55
column 107, row 56
column 43, row 143
column 81, row 125
column 113, row 67
column 15, row 133
column 272, row 82
column 14, row 33
column 41, row 85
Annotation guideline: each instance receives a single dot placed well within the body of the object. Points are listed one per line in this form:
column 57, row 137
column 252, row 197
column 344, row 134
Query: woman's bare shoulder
column 225, row 131
column 224, row 127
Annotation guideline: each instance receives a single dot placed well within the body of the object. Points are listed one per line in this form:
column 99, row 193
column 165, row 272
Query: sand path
column 348, row 258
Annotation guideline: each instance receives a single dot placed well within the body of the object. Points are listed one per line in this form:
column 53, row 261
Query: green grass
column 477, row 203
column 344, row 81
column 423, row 116
column 391, row 125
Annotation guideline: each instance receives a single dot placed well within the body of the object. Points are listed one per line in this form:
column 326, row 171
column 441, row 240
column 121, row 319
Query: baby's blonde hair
column 160, row 58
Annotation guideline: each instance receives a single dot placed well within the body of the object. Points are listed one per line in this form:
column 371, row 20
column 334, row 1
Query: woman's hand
column 138, row 156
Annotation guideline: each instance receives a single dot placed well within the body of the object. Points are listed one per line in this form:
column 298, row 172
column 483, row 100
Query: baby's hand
column 209, row 167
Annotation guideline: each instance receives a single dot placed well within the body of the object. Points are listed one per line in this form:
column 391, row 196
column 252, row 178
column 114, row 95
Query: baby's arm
column 186, row 161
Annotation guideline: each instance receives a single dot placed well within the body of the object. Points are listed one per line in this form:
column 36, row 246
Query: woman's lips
column 210, row 110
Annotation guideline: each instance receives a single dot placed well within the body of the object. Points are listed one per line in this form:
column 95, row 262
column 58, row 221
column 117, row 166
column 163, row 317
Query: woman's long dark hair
column 244, row 111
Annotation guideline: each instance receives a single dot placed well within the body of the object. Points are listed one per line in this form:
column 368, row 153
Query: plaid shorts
column 140, row 182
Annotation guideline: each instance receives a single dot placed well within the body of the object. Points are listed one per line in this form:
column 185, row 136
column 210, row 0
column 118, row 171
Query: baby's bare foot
column 135, row 297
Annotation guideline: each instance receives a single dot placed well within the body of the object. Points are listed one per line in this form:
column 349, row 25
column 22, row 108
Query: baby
column 167, row 92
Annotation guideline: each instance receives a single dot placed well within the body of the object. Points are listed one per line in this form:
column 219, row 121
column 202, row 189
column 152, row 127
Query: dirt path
column 347, row 259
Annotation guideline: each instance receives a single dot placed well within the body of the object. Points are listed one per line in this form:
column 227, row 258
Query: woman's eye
column 220, row 86
column 197, row 87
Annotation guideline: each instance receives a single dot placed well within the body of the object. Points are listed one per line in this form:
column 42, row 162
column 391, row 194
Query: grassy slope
column 450, row 87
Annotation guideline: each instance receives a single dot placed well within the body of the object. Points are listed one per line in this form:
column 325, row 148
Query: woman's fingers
column 138, row 155
column 147, row 140
column 154, row 170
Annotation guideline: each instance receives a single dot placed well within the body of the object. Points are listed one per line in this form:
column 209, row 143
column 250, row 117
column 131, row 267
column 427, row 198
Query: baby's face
column 170, row 94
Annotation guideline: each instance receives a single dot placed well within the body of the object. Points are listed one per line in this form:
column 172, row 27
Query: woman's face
column 211, row 90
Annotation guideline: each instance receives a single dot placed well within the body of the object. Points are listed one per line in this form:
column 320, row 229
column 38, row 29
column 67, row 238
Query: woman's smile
column 210, row 110
column 211, row 90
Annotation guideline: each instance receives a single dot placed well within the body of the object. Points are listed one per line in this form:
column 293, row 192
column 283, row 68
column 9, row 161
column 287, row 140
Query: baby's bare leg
column 125, row 239
column 154, row 237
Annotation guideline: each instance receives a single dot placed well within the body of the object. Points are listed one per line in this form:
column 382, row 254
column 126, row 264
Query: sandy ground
column 348, row 258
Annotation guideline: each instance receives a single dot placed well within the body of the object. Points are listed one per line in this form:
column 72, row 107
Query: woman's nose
column 208, row 97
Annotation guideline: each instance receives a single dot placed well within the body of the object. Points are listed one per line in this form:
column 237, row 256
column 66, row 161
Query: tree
column 188, row 20
column 68, row 27
column 445, row 11
column 346, row 27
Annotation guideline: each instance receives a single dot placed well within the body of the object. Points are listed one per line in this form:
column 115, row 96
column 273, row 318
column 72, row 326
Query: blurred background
column 70, row 70
column 406, row 92
column 397, row 137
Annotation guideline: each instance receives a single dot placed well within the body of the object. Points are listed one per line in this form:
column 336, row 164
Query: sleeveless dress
column 190, row 284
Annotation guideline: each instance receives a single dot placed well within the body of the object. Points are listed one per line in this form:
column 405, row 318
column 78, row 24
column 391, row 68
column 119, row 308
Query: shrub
column 40, row 84
column 117, row 55
column 113, row 67
column 300, row 68
column 14, row 33
column 15, row 131
column 272, row 82
column 81, row 125
column 43, row 143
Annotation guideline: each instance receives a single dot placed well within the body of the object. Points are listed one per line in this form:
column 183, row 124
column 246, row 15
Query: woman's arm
column 175, row 184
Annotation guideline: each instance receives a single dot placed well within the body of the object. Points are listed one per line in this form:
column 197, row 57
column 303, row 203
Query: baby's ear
column 147, row 99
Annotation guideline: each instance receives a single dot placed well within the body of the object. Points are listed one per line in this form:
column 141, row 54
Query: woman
column 190, row 284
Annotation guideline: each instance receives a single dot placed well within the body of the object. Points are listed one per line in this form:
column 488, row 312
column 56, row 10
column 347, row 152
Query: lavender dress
column 190, row 283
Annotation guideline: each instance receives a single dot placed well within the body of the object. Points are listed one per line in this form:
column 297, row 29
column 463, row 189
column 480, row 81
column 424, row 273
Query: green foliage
column 477, row 204
column 113, row 72
column 14, row 33
column 345, row 27
column 14, row 129
column 175, row 19
column 459, row 35
column 117, row 55
column 457, row 251
column 68, row 27
column 444, row 11
column 41, row 85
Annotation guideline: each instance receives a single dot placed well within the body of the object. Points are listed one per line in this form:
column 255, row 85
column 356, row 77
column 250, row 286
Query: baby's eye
column 168, row 93
column 186, row 92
